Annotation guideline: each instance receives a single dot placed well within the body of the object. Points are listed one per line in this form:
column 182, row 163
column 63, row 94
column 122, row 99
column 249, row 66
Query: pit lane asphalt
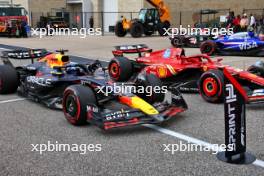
column 130, row 151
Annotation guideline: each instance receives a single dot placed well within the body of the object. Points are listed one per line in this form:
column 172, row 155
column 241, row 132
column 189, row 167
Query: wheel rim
column 137, row 29
column 114, row 70
column 72, row 107
column 207, row 49
column 176, row 42
column 210, row 87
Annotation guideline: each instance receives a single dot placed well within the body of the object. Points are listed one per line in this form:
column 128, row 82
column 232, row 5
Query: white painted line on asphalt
column 259, row 163
column 13, row 100
column 189, row 139
column 4, row 49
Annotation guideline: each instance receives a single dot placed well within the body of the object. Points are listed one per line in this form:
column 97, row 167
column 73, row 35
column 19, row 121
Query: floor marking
column 189, row 139
column 13, row 100
column 4, row 49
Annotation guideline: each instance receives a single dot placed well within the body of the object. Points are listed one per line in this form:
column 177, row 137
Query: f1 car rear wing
column 24, row 54
column 131, row 49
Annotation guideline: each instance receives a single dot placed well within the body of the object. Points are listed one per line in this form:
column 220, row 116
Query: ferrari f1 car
column 239, row 44
column 198, row 73
column 45, row 80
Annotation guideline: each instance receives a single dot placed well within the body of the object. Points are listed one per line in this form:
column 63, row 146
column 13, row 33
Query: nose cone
column 145, row 107
column 138, row 103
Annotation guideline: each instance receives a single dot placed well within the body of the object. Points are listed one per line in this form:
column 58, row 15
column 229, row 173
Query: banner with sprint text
column 235, row 118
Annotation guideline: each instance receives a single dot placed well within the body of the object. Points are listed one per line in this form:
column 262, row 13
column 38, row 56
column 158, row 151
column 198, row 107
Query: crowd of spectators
column 17, row 28
column 244, row 23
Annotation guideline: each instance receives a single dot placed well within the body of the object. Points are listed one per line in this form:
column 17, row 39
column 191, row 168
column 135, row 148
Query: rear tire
column 137, row 30
column 120, row 69
column 75, row 101
column 257, row 69
column 151, row 81
column 211, row 86
column 119, row 30
column 9, row 80
column 208, row 47
column 177, row 41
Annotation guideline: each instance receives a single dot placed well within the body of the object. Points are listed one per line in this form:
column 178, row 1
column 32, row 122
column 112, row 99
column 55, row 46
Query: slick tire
column 9, row 80
column 177, row 41
column 211, row 86
column 257, row 69
column 149, row 83
column 137, row 30
column 120, row 69
column 119, row 30
column 74, row 104
column 208, row 47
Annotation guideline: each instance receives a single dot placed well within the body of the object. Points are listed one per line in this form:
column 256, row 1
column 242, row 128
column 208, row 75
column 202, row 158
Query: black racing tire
column 119, row 30
column 208, row 47
column 211, row 86
column 152, row 81
column 9, row 79
column 136, row 30
column 162, row 27
column 120, row 69
column 257, row 69
column 75, row 101
column 177, row 41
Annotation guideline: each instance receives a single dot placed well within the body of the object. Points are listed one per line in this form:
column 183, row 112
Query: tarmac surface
column 129, row 151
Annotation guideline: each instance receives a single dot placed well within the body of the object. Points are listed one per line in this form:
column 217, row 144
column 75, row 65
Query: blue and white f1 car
column 239, row 44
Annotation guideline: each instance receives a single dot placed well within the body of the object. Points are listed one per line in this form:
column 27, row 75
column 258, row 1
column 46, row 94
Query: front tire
column 120, row 69
column 208, row 47
column 211, row 85
column 137, row 30
column 150, row 81
column 9, row 80
column 75, row 101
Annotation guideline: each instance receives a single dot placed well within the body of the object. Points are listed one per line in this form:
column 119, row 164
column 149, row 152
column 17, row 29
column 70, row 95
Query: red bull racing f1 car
column 80, row 89
column 198, row 73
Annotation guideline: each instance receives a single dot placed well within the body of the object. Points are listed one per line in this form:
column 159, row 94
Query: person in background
column 252, row 22
column 23, row 29
column 230, row 19
column 236, row 23
column 244, row 23
column 91, row 22
column 9, row 29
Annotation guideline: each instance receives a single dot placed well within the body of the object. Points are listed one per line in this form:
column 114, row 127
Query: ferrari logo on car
column 162, row 72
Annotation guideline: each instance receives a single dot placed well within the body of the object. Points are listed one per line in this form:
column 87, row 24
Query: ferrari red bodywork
column 173, row 67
